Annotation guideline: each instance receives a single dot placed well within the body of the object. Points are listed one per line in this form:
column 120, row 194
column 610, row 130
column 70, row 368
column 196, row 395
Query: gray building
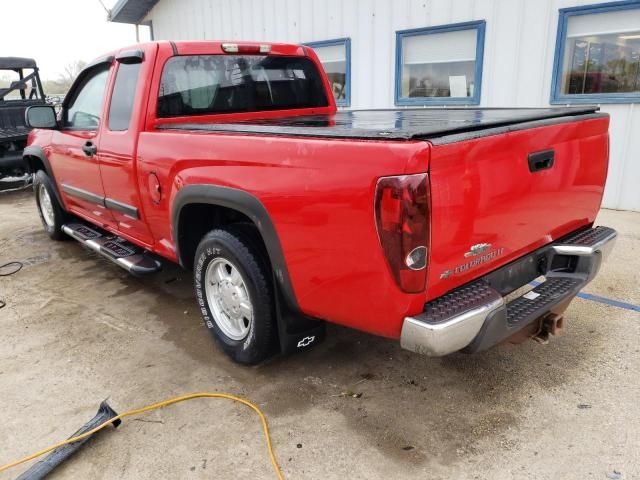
column 435, row 53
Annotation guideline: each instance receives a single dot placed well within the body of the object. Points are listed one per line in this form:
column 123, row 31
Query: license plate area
column 515, row 277
column 525, row 289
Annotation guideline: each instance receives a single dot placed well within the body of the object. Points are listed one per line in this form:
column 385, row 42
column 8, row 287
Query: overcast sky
column 58, row 32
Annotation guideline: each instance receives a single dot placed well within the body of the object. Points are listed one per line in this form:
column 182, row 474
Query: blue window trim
column 480, row 26
column 347, row 48
column 556, row 80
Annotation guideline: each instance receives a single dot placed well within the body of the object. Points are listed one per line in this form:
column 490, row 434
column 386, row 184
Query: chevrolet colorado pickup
column 423, row 225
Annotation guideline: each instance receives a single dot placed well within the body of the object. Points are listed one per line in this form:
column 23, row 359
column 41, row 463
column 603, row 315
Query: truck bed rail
column 402, row 124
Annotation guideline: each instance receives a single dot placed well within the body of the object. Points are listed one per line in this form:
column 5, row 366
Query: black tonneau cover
column 438, row 125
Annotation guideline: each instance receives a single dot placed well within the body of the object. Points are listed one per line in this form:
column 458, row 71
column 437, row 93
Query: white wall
column 518, row 59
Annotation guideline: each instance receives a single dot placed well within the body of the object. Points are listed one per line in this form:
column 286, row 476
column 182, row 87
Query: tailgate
column 496, row 198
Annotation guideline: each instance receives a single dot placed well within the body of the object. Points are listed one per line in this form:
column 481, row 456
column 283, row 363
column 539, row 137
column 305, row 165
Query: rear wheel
column 51, row 212
column 234, row 291
column 228, row 298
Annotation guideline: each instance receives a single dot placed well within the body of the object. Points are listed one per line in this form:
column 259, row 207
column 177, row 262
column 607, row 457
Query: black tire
column 59, row 217
column 236, row 245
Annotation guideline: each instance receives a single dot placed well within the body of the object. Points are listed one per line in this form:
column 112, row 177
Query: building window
column 440, row 65
column 335, row 56
column 598, row 54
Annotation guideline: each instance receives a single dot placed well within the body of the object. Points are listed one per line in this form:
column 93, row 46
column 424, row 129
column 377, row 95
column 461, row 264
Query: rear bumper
column 476, row 316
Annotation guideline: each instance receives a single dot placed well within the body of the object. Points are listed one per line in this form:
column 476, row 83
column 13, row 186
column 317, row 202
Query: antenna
column 105, row 8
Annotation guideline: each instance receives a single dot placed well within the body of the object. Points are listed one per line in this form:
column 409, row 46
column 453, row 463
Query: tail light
column 402, row 219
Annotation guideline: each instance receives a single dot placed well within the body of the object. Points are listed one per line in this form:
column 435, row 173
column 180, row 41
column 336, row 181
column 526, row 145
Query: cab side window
column 123, row 95
column 84, row 110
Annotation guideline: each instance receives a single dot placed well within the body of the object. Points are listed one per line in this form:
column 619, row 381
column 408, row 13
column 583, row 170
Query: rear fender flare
column 248, row 205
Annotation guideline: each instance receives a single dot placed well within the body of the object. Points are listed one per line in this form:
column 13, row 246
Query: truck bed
column 12, row 126
column 433, row 124
column 13, row 134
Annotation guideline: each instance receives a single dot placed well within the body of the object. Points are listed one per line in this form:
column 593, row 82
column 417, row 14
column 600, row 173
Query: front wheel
column 235, row 295
column 51, row 212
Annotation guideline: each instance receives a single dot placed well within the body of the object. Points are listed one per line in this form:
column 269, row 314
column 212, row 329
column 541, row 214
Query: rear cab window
column 210, row 84
column 123, row 95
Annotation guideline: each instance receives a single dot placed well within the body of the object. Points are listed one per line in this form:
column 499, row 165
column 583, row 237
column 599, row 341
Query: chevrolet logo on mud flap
column 476, row 261
column 306, row 341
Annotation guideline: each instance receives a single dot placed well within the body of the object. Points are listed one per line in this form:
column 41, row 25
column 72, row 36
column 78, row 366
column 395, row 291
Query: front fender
column 36, row 151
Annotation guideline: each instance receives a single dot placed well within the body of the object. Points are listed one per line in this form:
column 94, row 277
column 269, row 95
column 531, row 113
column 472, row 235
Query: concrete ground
column 77, row 329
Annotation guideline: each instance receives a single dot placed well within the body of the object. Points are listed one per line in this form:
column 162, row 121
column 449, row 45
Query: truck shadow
column 414, row 409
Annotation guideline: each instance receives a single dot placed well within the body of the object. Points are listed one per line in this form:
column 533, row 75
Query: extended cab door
column 74, row 146
column 119, row 141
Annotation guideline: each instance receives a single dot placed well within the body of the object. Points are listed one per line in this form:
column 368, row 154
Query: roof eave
column 131, row 11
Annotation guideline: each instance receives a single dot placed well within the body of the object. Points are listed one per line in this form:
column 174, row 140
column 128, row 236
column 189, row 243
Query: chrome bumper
column 476, row 316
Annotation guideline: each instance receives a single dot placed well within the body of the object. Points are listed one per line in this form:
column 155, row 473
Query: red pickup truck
column 231, row 159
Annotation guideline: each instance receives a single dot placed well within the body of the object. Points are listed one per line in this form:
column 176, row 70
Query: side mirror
column 40, row 116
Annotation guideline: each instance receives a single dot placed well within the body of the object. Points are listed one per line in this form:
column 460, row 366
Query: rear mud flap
column 296, row 332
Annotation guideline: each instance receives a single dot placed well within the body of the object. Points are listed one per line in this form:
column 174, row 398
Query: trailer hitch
column 551, row 324
column 539, row 330
column 45, row 466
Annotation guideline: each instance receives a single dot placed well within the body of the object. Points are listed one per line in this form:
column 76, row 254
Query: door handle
column 89, row 148
column 541, row 160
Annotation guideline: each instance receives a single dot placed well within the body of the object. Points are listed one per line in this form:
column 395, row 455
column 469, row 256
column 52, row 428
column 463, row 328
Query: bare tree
column 62, row 84
column 5, row 80
column 71, row 71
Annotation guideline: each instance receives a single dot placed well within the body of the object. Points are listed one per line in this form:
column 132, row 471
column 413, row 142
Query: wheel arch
column 296, row 330
column 248, row 207
column 36, row 159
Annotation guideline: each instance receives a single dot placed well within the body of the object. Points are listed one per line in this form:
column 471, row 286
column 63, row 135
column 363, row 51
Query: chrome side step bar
column 121, row 252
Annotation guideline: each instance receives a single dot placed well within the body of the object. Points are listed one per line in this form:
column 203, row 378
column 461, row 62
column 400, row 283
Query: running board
column 121, row 252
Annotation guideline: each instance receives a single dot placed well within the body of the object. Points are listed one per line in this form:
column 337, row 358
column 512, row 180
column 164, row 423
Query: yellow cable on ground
column 165, row 403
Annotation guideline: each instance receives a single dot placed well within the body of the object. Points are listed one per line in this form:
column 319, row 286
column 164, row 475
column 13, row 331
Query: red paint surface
column 319, row 193
column 483, row 192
